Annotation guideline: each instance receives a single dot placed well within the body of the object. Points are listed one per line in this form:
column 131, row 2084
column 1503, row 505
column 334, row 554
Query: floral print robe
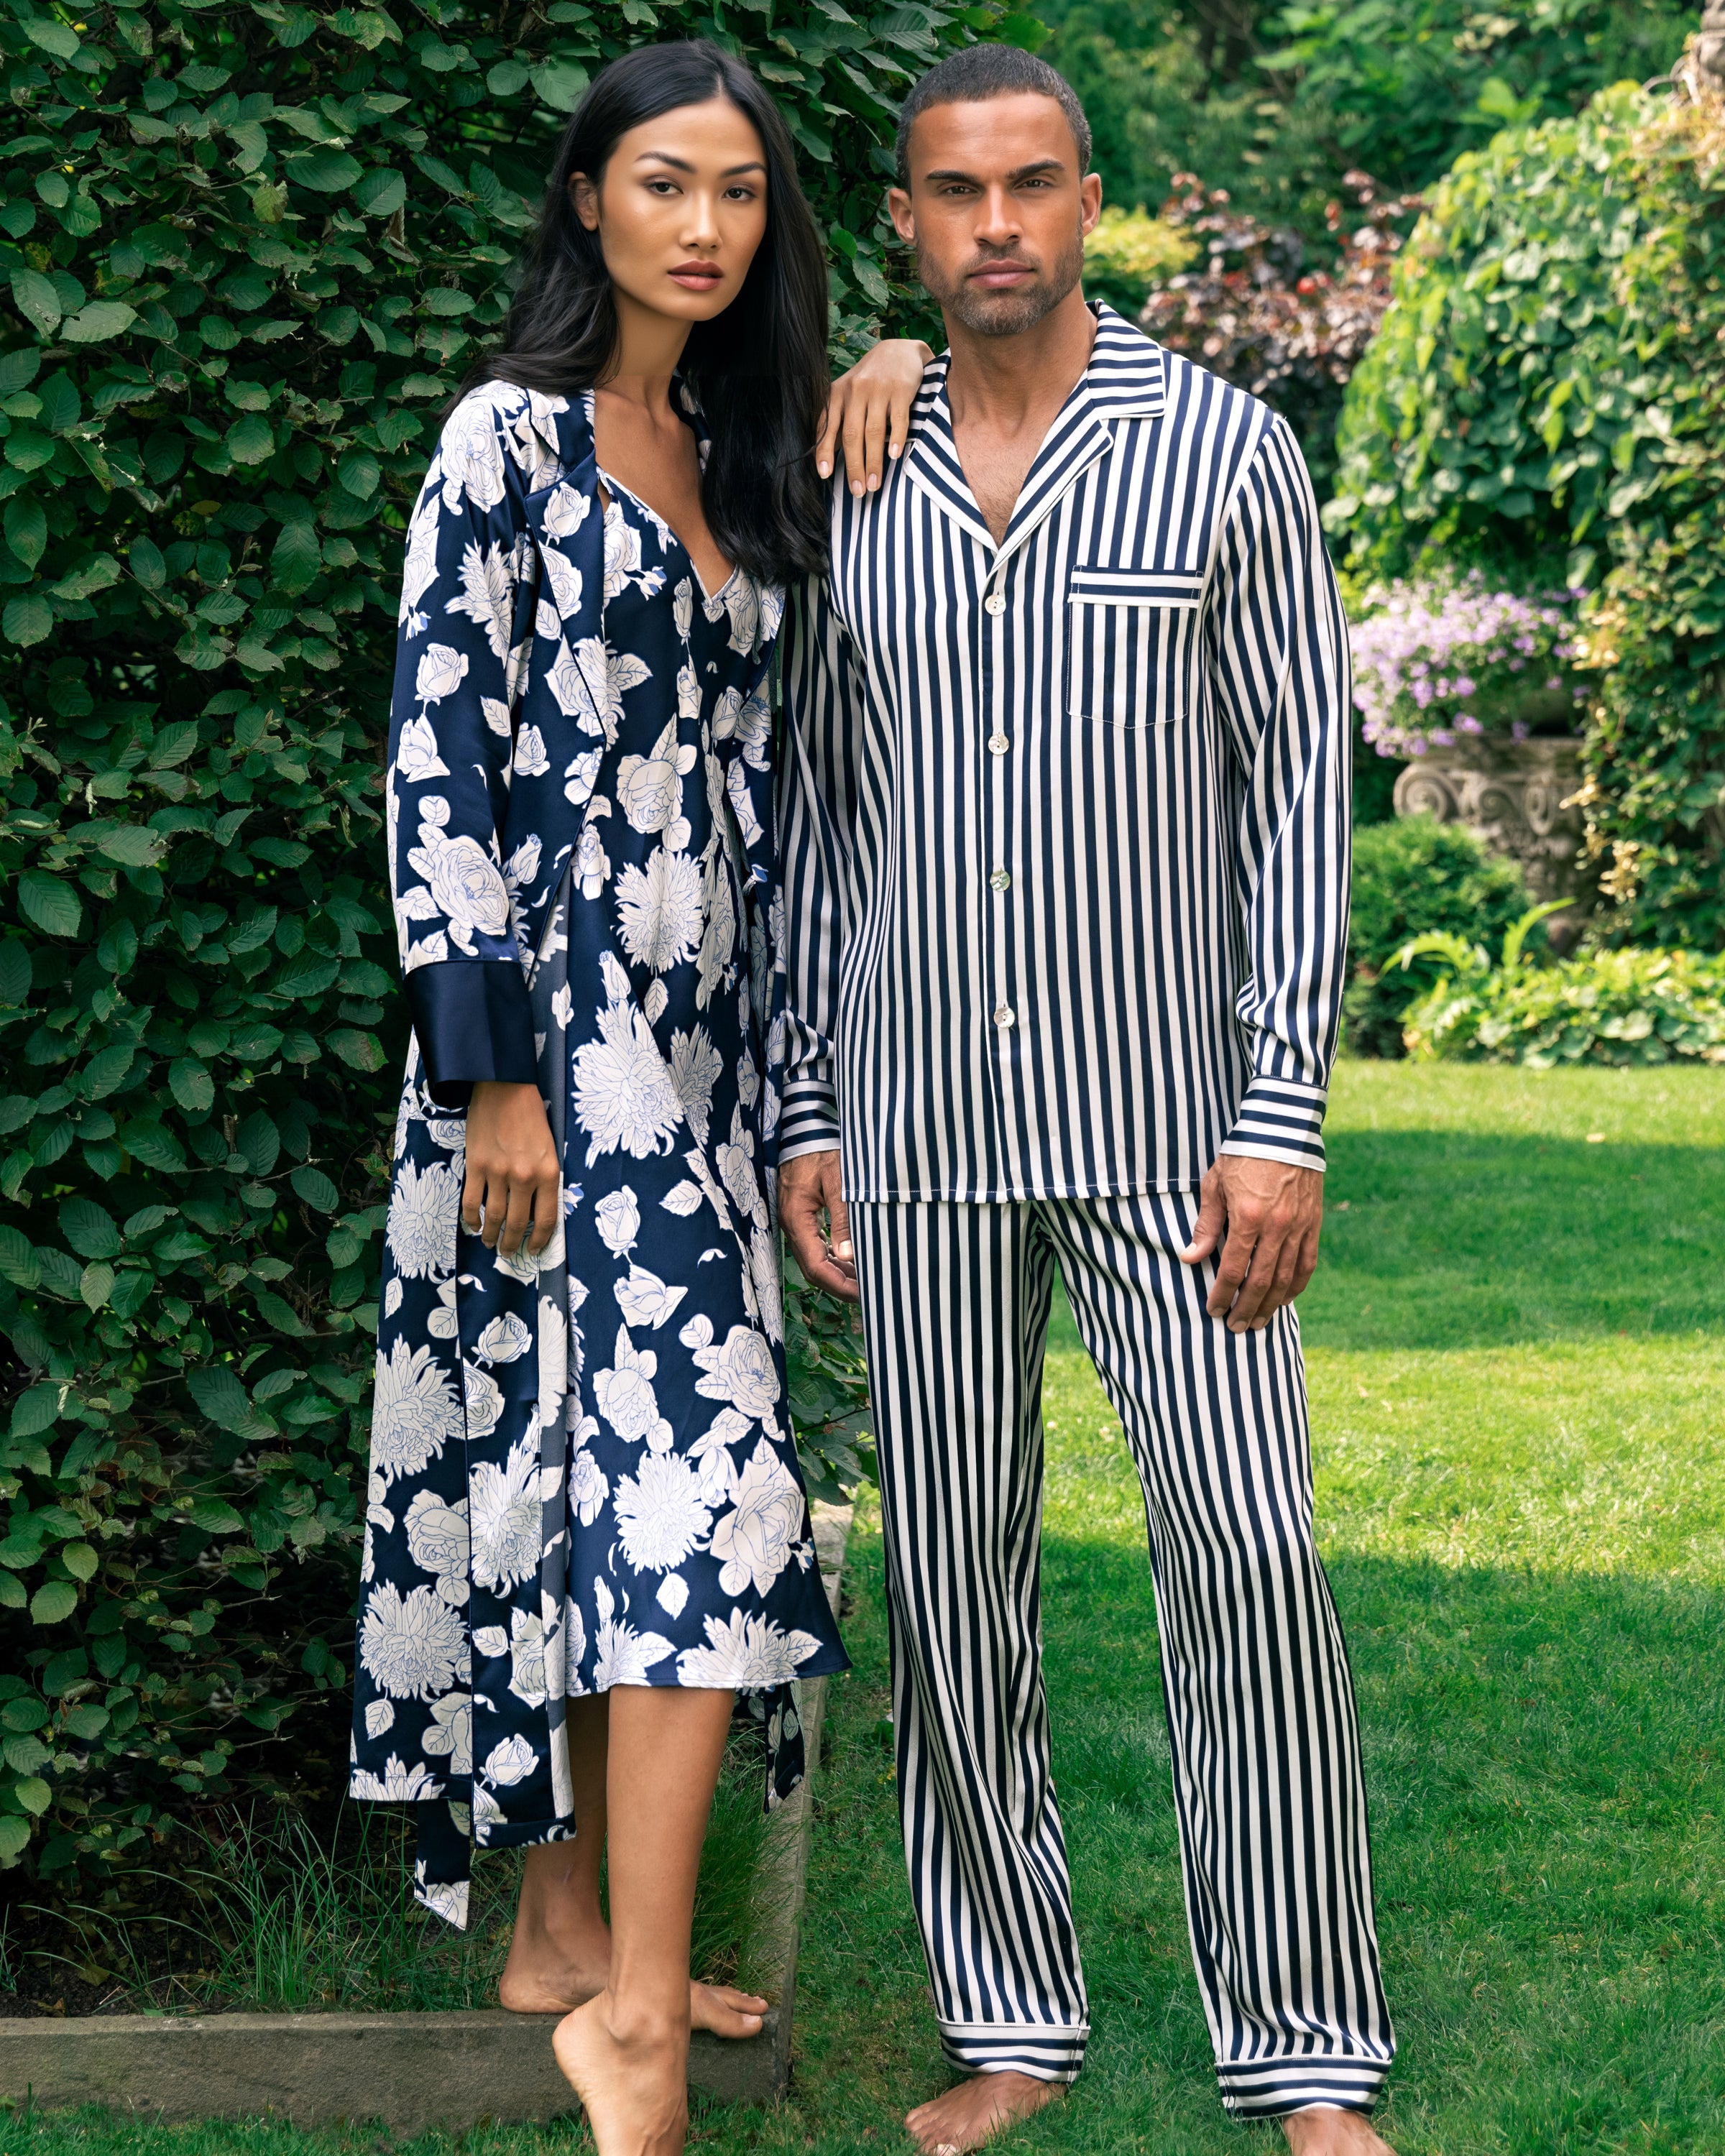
column 582, row 1473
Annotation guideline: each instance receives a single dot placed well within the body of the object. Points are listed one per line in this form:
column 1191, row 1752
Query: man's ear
column 585, row 196
column 904, row 222
column 1089, row 196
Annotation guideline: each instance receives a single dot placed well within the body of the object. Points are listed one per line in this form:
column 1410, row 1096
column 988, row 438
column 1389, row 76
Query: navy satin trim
column 474, row 1023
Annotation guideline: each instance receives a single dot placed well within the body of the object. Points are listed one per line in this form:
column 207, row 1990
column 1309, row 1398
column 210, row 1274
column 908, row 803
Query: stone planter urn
column 1510, row 794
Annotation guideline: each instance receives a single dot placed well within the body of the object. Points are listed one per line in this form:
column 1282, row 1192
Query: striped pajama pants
column 1260, row 1702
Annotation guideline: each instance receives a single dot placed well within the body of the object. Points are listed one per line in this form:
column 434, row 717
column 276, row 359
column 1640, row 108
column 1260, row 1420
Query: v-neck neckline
column 621, row 486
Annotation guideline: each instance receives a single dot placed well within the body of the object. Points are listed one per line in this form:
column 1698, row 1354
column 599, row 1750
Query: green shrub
column 1545, row 398
column 1412, row 877
column 245, row 250
column 1129, row 254
column 1618, row 1007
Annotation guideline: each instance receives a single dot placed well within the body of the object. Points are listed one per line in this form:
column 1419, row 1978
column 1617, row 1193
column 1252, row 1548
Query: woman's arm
column 869, row 410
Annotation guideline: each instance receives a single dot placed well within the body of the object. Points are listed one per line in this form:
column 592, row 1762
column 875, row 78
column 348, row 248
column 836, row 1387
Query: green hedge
column 1415, row 877
column 245, row 249
column 1624, row 1008
column 1546, row 399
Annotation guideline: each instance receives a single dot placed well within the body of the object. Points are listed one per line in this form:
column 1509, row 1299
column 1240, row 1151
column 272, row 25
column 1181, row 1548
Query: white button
column 994, row 603
column 999, row 744
column 999, row 880
column 1002, row 1015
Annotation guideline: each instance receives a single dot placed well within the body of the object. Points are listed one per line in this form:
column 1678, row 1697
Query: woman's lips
column 697, row 276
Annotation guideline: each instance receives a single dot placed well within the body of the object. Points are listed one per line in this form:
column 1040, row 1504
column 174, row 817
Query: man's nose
column 999, row 224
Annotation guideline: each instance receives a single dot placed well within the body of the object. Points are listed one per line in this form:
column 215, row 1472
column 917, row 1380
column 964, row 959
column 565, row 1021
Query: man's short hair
column 980, row 72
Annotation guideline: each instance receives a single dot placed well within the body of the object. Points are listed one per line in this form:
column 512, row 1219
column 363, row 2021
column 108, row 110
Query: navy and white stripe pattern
column 1260, row 1704
column 1066, row 818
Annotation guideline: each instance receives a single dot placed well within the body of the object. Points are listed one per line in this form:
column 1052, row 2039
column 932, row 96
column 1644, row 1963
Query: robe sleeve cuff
column 1281, row 1119
column 474, row 1023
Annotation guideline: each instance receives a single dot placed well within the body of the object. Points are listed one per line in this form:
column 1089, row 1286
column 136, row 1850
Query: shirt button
column 999, row 880
column 999, row 744
column 994, row 603
column 1002, row 1015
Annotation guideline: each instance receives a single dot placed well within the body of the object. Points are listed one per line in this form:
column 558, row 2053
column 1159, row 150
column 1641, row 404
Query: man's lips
column 1001, row 276
column 698, row 277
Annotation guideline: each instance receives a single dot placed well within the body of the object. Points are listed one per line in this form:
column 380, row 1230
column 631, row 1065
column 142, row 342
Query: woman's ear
column 585, row 196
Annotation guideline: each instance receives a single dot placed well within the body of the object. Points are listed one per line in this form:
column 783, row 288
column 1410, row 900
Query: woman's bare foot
column 633, row 2081
column 1327, row 2131
column 549, row 1982
column 976, row 2110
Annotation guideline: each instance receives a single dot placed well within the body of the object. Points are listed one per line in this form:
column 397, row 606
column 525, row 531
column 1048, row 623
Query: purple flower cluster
column 1438, row 660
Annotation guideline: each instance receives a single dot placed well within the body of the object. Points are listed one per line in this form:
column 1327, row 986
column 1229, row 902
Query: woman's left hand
column 869, row 411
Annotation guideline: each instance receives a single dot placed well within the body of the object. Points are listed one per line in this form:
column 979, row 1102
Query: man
column 1066, row 864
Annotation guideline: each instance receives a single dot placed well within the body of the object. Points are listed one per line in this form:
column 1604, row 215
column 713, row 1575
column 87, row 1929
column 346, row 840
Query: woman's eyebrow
column 682, row 164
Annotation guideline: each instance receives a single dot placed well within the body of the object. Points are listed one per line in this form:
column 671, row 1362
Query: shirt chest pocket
column 1132, row 644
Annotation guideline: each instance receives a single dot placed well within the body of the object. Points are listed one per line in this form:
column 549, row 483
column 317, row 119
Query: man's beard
column 1004, row 314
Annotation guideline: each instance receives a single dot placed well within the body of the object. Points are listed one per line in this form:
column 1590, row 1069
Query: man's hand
column 808, row 1191
column 869, row 410
column 515, row 1179
column 1271, row 1212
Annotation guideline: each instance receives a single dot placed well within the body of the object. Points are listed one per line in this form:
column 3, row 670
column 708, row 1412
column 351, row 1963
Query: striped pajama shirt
column 1065, row 860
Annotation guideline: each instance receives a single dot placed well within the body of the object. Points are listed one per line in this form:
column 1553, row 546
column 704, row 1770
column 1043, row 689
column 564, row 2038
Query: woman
column 587, row 1531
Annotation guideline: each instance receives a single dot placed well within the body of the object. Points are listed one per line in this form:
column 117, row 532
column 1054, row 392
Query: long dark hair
column 759, row 368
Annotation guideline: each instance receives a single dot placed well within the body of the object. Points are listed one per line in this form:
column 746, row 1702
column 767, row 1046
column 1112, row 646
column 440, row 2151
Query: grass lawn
column 1517, row 1349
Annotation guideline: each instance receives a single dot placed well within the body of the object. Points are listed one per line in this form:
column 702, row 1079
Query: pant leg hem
column 1274, row 2088
column 1045, row 2053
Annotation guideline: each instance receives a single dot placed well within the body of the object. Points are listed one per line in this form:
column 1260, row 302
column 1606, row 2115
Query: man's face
column 996, row 210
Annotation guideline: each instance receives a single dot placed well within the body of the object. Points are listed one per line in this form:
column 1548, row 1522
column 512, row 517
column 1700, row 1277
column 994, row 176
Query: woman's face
column 680, row 209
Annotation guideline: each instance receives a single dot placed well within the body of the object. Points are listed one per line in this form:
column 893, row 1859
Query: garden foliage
column 1413, row 877
column 1617, row 1007
column 1546, row 400
column 245, row 252
column 1129, row 254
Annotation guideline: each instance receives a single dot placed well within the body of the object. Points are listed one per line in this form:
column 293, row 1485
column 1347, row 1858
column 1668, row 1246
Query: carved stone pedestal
column 1510, row 795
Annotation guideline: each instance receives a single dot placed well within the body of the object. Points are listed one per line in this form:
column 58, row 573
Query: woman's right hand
column 514, row 1190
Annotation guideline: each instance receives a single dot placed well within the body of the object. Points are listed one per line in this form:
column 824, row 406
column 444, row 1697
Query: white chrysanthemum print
column 659, row 912
column 487, row 594
column 415, row 1411
column 397, row 1784
column 742, row 1372
column 451, row 1735
column 621, row 1654
column 750, row 1653
column 505, row 1518
column 661, row 1518
column 754, row 1543
column 694, row 1067
column 411, row 1646
column 424, row 1211
column 624, row 1096
column 717, row 963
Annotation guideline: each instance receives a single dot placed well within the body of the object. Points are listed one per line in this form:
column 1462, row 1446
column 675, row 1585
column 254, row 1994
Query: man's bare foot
column 633, row 2083
column 1325, row 2131
column 538, row 1983
column 976, row 2110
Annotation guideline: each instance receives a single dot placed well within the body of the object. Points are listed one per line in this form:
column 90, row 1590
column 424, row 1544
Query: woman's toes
column 723, row 2011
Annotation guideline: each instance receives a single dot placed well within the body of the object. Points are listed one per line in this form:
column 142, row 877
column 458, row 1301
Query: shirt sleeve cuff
column 475, row 1024
column 809, row 1122
column 1281, row 1119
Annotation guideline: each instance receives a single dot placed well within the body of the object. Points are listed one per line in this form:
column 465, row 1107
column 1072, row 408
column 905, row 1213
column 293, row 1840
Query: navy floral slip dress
column 583, row 1472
